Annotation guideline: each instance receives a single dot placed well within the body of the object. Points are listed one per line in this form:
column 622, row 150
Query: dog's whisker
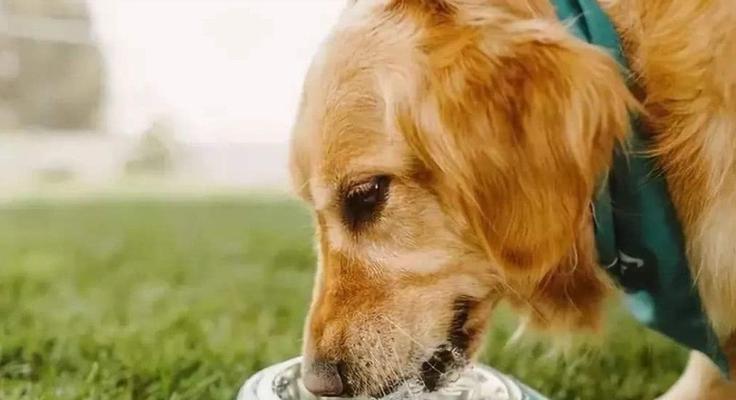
column 370, row 337
column 405, row 333
column 535, row 310
column 363, row 380
column 406, row 376
column 396, row 366
column 367, row 381
column 426, row 350
column 390, row 373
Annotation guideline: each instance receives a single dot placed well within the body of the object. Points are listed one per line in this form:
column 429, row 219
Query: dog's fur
column 494, row 125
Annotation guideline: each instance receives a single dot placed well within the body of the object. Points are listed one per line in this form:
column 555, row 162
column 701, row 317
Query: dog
column 451, row 150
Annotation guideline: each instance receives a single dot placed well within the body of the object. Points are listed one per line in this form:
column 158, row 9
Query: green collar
column 640, row 243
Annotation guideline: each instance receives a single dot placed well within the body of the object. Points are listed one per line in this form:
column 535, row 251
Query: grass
column 144, row 299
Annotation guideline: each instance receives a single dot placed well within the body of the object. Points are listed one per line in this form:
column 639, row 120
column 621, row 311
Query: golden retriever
column 450, row 150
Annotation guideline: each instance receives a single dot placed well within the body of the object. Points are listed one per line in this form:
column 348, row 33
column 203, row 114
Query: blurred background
column 182, row 95
column 149, row 248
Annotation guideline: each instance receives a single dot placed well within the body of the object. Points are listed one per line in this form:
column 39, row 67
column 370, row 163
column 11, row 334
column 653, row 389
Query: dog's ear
column 570, row 295
column 516, row 125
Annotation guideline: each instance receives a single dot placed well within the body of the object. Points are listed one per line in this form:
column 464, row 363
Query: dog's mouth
column 445, row 365
column 448, row 360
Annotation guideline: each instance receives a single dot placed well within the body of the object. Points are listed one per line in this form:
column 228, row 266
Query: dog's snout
column 324, row 378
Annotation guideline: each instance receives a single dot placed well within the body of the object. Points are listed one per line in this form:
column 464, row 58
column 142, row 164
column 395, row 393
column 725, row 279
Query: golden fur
column 494, row 124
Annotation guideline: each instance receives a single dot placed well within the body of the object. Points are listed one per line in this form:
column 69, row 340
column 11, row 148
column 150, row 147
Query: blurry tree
column 154, row 154
column 51, row 73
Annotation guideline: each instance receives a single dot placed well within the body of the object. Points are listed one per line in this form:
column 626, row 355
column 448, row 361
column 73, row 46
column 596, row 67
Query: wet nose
column 323, row 378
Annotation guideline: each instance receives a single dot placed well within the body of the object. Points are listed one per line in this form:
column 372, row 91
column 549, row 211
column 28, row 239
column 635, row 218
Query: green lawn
column 184, row 300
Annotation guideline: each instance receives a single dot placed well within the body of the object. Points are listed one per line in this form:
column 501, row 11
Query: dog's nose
column 323, row 378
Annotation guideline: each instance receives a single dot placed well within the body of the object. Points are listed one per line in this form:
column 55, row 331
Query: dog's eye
column 364, row 201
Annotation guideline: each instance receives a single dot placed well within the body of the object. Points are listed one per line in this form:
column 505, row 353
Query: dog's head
column 450, row 151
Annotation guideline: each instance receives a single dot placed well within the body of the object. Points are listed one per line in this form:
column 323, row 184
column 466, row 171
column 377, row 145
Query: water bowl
column 477, row 382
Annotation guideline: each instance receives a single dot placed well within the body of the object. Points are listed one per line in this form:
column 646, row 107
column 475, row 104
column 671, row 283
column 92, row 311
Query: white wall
column 220, row 70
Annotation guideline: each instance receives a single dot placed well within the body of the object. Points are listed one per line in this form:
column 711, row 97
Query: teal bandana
column 638, row 235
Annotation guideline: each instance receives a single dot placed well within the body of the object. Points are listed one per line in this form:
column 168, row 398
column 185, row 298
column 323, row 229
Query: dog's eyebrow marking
column 321, row 194
column 420, row 261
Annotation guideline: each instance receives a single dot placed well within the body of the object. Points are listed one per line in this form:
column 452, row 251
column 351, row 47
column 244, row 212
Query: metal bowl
column 477, row 382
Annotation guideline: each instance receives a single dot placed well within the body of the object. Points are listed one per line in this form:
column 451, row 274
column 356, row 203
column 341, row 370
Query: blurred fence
column 82, row 160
